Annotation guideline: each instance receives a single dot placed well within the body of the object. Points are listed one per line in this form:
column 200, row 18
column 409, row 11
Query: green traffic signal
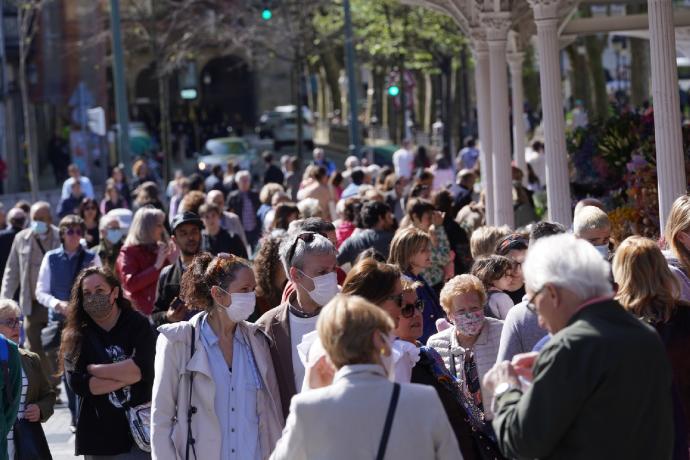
column 393, row 90
column 266, row 14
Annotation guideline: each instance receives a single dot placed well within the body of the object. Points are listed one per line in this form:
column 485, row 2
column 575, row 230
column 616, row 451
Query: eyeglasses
column 12, row 322
column 530, row 303
column 307, row 237
column 407, row 311
column 74, row 231
column 398, row 299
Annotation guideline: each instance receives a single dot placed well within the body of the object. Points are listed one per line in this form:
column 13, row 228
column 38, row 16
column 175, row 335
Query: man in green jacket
column 601, row 387
column 10, row 390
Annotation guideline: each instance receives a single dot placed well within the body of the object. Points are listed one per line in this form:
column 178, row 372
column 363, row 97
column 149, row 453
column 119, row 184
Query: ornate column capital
column 496, row 26
column 479, row 46
column 545, row 9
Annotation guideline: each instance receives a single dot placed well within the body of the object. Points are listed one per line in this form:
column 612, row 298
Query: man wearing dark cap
column 186, row 234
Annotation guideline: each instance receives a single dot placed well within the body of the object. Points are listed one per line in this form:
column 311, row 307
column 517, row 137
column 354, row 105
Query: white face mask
column 603, row 250
column 241, row 305
column 325, row 287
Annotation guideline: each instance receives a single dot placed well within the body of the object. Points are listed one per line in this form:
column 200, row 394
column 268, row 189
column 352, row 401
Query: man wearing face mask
column 593, row 225
column 58, row 271
column 112, row 238
column 21, row 271
column 186, row 234
column 309, row 260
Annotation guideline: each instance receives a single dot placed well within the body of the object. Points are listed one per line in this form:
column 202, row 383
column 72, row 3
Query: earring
column 383, row 351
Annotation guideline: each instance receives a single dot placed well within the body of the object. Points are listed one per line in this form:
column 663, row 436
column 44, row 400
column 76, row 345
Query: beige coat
column 17, row 270
column 485, row 352
column 344, row 421
column 170, row 401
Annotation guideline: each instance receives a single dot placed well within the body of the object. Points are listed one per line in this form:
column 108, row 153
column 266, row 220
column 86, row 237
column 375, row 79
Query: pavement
column 60, row 438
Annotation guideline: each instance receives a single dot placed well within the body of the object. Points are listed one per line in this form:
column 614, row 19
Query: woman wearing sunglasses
column 88, row 210
column 37, row 395
column 56, row 276
column 411, row 252
column 469, row 348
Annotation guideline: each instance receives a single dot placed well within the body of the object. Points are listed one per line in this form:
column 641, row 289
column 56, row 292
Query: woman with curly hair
column 215, row 392
column 107, row 353
column 270, row 276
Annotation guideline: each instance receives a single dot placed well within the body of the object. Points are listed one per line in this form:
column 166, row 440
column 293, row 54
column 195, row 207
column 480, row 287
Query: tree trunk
column 447, row 72
column 595, row 44
column 639, row 63
column 28, row 126
column 581, row 89
column 165, row 129
column 332, row 69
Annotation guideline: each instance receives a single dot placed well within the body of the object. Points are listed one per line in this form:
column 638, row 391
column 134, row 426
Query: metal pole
column 351, row 80
column 119, row 83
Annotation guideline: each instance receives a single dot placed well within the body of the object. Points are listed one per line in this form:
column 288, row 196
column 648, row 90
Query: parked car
column 219, row 150
column 280, row 124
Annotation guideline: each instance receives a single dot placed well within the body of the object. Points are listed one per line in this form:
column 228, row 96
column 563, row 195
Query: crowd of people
column 362, row 312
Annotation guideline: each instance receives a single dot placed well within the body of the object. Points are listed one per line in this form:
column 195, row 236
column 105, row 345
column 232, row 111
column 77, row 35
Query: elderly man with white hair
column 592, row 224
column 601, row 387
column 23, row 264
column 245, row 202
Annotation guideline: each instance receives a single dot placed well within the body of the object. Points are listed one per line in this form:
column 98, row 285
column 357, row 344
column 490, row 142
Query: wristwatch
column 499, row 390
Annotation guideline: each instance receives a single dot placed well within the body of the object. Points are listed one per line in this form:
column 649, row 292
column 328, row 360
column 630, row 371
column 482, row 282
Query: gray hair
column 9, row 306
column 141, row 231
column 242, row 174
column 309, row 207
column 37, row 206
column 590, row 218
column 319, row 245
column 106, row 220
column 567, row 262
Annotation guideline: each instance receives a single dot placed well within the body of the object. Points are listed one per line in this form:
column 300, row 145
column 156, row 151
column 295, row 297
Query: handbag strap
column 191, row 410
column 389, row 422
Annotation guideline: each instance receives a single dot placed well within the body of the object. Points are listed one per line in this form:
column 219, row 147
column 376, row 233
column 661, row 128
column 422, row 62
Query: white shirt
column 402, row 162
column 299, row 327
column 538, row 163
column 43, row 292
column 86, row 187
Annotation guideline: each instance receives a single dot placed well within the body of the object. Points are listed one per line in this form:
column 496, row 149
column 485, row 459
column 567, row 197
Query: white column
column 557, row 180
column 515, row 61
column 483, row 90
column 667, row 130
column 497, row 25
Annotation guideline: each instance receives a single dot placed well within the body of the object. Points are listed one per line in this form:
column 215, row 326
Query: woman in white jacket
column 349, row 418
column 215, row 393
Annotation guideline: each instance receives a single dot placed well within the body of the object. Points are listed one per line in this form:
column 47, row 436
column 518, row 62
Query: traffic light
column 393, row 90
column 266, row 14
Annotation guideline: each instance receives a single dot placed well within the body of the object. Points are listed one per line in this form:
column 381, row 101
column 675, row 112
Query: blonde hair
column 9, row 306
column 268, row 190
column 346, row 327
column 646, row 286
column 484, row 239
column 679, row 221
column 410, row 285
column 590, row 218
column 143, row 223
column 458, row 285
column 406, row 243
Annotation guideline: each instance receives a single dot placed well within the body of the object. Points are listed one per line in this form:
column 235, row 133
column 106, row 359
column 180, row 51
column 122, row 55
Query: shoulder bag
column 389, row 422
column 191, row 410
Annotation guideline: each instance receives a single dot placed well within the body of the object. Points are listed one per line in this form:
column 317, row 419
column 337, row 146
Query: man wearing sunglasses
column 56, row 276
column 309, row 260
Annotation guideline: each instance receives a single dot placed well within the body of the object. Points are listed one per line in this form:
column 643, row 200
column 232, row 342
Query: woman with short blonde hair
column 411, row 251
column 677, row 235
column 357, row 337
column 469, row 348
column 142, row 257
column 648, row 289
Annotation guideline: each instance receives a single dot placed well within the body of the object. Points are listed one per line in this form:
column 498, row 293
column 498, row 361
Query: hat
column 186, row 217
